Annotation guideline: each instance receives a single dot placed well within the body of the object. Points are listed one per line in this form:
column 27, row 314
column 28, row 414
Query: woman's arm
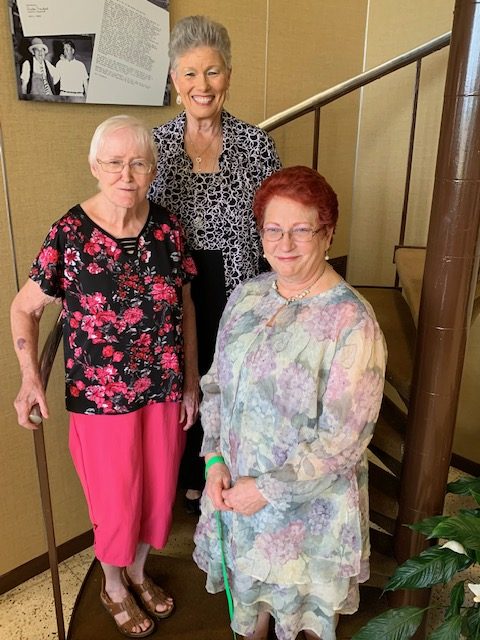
column 25, row 76
column 25, row 313
column 350, row 407
column 191, row 378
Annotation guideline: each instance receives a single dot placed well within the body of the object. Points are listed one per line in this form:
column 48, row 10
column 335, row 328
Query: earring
column 327, row 257
column 178, row 99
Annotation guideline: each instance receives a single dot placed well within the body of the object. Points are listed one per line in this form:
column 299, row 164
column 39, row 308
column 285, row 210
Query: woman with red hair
column 288, row 410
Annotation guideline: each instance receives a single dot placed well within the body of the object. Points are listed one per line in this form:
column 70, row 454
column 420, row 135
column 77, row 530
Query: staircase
column 387, row 446
column 397, row 311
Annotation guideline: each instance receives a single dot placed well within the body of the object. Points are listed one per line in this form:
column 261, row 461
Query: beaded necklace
column 301, row 295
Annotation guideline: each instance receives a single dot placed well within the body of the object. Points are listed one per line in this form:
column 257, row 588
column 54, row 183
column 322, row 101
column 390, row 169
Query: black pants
column 209, row 297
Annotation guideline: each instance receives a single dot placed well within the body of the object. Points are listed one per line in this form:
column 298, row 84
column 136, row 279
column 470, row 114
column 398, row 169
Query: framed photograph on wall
column 92, row 51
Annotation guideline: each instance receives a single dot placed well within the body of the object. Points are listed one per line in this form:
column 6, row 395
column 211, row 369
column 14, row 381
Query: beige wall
column 313, row 46
column 394, row 28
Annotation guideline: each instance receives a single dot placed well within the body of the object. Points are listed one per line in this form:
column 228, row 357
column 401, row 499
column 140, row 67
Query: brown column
column 450, row 274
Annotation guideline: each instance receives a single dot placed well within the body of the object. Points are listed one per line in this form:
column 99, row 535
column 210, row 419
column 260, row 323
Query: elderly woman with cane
column 118, row 266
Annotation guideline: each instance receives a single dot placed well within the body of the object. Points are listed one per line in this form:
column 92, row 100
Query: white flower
column 454, row 546
column 475, row 589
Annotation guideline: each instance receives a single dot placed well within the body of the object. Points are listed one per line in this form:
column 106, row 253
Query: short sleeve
column 25, row 75
column 48, row 267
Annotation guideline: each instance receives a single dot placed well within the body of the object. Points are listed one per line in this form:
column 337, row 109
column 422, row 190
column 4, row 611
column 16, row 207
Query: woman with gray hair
column 116, row 263
column 209, row 166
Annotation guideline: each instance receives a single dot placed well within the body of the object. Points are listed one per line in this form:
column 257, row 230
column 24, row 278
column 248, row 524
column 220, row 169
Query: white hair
column 142, row 133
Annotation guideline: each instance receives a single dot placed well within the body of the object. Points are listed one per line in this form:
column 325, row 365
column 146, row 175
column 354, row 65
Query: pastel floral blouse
column 294, row 405
column 122, row 313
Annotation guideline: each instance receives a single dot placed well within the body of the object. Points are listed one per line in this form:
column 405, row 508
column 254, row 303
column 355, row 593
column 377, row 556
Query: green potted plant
column 438, row 564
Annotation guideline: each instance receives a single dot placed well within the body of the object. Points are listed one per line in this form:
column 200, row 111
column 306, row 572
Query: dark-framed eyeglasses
column 142, row 167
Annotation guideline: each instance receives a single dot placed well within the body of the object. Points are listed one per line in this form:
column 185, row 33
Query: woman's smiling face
column 202, row 80
column 295, row 262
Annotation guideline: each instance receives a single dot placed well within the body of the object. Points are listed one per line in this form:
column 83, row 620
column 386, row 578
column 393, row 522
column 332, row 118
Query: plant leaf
column 449, row 630
column 473, row 512
column 471, row 624
column 394, row 624
column 432, row 566
column 465, row 487
column 457, row 596
column 464, row 528
column 427, row 525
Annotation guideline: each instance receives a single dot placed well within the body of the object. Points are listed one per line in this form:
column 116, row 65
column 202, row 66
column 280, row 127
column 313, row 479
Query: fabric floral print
column 122, row 313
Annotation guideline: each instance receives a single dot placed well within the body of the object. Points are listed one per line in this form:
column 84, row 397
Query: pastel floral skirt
column 296, row 607
column 311, row 607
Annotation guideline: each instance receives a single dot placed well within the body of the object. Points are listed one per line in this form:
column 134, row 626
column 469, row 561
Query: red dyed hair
column 300, row 184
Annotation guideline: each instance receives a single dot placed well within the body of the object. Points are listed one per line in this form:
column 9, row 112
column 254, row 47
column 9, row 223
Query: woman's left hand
column 244, row 497
column 190, row 402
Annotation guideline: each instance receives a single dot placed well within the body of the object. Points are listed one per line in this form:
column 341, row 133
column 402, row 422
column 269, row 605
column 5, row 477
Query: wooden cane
column 46, row 362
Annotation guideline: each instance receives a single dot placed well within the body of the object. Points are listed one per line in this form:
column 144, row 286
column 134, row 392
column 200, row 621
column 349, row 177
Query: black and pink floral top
column 122, row 313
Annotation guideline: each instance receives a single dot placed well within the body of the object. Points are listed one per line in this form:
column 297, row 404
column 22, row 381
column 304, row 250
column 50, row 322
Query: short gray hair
column 142, row 133
column 199, row 31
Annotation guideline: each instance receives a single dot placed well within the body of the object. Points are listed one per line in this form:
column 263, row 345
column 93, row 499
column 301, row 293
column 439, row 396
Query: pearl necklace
column 301, row 295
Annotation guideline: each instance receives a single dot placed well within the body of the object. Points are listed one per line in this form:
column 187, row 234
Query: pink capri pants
column 128, row 466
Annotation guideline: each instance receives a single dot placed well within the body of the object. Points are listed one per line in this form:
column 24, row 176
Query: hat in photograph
column 37, row 43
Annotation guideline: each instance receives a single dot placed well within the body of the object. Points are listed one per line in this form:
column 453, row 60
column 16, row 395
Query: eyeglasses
column 298, row 234
column 141, row 167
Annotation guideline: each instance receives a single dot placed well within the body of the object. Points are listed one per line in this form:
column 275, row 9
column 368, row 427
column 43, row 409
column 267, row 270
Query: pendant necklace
column 196, row 155
column 300, row 295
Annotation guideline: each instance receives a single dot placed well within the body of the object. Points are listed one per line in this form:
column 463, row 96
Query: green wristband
column 213, row 460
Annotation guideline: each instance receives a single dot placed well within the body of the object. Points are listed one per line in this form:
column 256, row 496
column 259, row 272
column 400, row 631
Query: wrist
column 29, row 373
column 215, row 459
column 192, row 378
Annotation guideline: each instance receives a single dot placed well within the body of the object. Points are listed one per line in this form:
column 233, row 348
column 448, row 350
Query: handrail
column 339, row 90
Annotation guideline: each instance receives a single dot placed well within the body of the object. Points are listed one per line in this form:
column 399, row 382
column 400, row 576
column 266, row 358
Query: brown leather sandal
column 151, row 596
column 136, row 615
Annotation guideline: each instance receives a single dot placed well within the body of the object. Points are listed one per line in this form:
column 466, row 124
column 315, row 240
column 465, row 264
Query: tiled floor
column 27, row 612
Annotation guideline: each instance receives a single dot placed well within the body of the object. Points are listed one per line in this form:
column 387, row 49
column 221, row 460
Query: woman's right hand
column 26, row 312
column 30, row 396
column 218, row 479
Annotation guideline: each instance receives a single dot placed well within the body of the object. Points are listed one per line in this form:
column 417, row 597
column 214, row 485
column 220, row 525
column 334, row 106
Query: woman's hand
column 191, row 391
column 31, row 395
column 190, row 402
column 218, row 479
column 244, row 497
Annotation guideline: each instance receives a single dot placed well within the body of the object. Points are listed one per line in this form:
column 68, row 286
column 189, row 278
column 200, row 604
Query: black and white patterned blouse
column 215, row 209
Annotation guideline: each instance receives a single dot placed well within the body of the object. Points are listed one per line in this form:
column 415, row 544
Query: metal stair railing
column 316, row 102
